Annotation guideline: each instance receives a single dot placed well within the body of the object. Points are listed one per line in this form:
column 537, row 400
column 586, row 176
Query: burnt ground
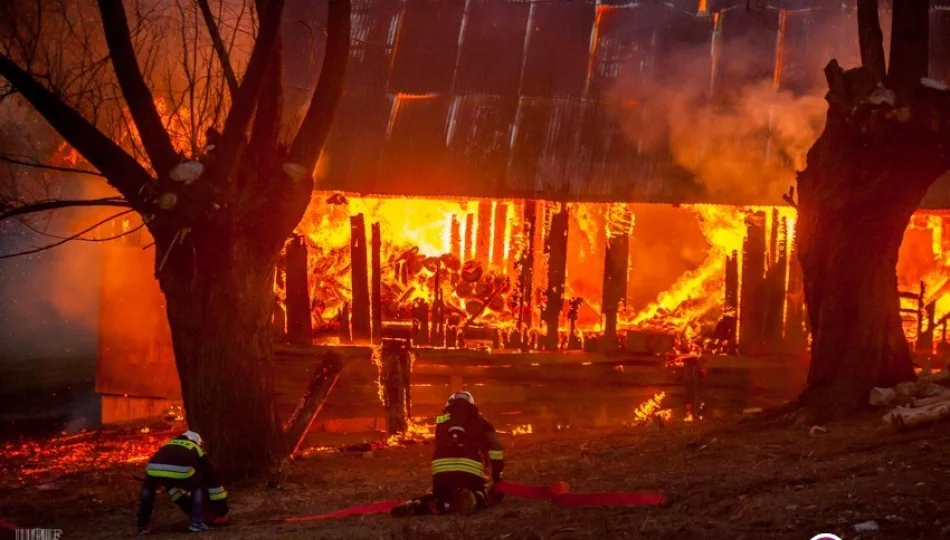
column 726, row 480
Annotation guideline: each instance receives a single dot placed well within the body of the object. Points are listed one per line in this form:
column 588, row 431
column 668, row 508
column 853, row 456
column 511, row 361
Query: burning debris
column 483, row 273
column 45, row 460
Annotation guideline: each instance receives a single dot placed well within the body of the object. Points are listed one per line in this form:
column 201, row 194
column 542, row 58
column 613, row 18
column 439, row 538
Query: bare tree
column 195, row 144
column 884, row 144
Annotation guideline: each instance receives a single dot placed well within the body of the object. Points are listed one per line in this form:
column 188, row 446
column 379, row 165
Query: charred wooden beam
column 377, row 302
column 322, row 382
column 483, row 237
column 498, row 244
column 469, row 247
column 796, row 330
column 346, row 335
column 437, row 332
column 555, row 247
column 774, row 293
column 456, row 238
column 299, row 325
column 616, row 257
column 420, row 322
column 394, row 378
column 526, row 273
column 751, row 299
column 360, row 279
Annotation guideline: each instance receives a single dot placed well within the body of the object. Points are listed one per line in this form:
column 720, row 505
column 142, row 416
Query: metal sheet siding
column 545, row 98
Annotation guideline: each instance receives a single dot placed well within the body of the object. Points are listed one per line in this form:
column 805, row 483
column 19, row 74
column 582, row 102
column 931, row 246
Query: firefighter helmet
column 193, row 437
column 464, row 396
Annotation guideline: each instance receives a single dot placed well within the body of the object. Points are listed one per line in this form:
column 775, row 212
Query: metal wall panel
column 492, row 48
column 558, row 49
column 426, row 46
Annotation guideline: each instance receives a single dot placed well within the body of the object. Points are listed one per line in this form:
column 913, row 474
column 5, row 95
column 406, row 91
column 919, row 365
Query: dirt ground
column 725, row 479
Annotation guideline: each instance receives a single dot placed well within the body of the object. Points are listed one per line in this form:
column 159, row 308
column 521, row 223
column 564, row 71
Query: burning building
column 543, row 196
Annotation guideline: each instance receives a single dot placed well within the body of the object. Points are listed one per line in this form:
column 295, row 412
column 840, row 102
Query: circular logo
column 825, row 536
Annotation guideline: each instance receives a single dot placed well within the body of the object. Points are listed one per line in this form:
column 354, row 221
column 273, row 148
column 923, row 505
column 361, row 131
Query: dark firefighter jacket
column 465, row 441
column 181, row 461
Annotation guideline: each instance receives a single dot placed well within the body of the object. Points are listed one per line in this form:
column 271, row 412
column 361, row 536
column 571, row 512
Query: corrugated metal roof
column 522, row 98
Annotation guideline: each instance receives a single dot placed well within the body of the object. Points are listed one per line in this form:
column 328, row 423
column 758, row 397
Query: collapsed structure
column 490, row 193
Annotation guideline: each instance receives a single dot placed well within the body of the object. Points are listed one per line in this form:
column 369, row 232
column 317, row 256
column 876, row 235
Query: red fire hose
column 558, row 493
column 7, row 525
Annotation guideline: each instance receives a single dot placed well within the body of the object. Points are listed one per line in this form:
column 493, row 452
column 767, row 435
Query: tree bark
column 219, row 294
column 866, row 175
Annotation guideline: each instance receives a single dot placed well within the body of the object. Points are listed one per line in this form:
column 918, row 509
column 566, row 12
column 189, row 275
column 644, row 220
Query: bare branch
column 38, row 165
column 43, row 206
column 233, row 138
column 72, row 237
column 122, row 171
column 871, row 39
column 219, row 47
column 155, row 139
column 308, row 143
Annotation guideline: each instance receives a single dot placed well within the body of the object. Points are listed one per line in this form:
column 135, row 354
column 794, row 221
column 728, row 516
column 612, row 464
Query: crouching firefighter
column 464, row 444
column 184, row 470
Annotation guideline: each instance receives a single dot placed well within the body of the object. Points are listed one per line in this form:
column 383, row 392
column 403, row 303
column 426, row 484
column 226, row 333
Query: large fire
column 467, row 254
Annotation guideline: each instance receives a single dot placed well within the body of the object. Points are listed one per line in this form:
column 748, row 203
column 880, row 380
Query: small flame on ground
column 651, row 408
column 525, row 429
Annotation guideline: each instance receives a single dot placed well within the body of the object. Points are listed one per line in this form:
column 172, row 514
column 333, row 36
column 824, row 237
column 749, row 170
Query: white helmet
column 192, row 436
column 464, row 396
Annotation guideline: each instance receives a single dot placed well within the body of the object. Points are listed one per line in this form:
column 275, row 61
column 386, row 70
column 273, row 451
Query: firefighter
column 184, row 470
column 464, row 442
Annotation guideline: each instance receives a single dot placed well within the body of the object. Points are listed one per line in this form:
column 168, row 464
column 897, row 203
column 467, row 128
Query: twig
column 43, row 206
column 39, row 165
column 73, row 237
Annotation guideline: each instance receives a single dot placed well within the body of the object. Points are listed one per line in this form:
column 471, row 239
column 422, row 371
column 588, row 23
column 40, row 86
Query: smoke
column 714, row 108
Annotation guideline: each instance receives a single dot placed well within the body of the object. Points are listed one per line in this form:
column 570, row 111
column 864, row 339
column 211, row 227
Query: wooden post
column 346, row 336
column 469, row 248
column 526, row 274
column 752, row 288
column 555, row 247
column 360, row 279
column 920, row 311
column 484, row 236
column 456, row 238
column 501, row 223
column 730, row 310
column 377, row 303
column 420, row 322
column 616, row 255
column 796, row 334
column 691, row 375
column 299, row 325
column 774, row 292
column 394, row 378
column 322, row 382
column 437, row 333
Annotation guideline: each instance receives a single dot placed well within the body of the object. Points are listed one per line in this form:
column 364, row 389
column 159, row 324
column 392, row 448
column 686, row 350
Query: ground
column 726, row 479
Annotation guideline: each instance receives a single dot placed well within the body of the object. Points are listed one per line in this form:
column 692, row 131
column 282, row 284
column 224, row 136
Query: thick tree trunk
column 219, row 294
column 866, row 175
column 848, row 264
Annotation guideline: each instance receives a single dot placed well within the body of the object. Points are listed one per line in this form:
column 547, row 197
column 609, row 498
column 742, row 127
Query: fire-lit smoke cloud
column 725, row 114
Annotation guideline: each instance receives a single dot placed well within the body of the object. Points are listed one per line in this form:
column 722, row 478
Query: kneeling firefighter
column 465, row 442
column 184, row 470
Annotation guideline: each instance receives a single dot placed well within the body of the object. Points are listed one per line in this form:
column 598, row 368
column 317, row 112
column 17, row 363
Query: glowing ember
column 46, row 459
